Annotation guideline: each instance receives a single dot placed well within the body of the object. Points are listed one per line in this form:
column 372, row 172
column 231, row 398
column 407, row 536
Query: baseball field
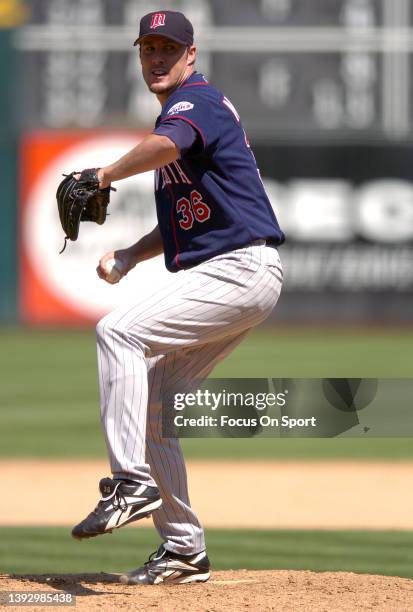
column 291, row 524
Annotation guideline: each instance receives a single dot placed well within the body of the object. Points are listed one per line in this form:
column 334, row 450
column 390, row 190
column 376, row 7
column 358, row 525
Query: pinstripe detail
column 192, row 298
column 118, row 426
column 176, row 336
column 115, row 393
column 180, row 519
column 226, row 296
column 200, row 362
column 161, row 453
column 130, row 415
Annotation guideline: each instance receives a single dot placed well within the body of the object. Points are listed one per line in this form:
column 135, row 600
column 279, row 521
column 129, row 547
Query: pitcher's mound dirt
column 231, row 590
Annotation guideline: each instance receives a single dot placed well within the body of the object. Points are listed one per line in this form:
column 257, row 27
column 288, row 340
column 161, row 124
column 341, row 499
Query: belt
column 262, row 242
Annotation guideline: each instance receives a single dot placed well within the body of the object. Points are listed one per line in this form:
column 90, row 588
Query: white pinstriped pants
column 178, row 334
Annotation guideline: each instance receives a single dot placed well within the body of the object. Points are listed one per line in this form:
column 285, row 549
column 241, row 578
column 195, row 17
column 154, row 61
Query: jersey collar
column 196, row 78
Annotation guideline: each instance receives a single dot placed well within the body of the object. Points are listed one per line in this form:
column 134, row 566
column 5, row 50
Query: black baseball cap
column 171, row 24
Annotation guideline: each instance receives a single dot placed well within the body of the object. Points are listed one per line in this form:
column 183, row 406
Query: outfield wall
column 347, row 212
column 8, row 165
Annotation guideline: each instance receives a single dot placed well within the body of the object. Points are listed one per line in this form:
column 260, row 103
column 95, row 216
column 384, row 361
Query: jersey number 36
column 191, row 211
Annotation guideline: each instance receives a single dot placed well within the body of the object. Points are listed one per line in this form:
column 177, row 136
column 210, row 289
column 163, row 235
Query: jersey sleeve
column 196, row 111
column 182, row 133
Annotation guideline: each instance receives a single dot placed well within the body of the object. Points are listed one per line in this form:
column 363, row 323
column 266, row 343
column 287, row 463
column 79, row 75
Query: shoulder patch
column 180, row 107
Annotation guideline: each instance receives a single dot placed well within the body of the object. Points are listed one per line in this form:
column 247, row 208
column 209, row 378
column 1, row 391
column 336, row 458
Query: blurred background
column 325, row 93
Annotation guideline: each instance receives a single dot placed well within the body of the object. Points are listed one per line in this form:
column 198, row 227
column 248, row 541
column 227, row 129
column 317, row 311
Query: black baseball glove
column 81, row 200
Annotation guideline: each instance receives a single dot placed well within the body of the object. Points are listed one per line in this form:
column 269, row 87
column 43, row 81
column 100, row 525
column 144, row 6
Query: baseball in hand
column 114, row 269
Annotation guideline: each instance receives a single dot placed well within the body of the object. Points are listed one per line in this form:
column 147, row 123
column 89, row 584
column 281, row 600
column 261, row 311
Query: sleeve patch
column 180, row 107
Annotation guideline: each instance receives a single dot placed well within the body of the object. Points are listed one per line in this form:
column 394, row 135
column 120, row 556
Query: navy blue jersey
column 212, row 199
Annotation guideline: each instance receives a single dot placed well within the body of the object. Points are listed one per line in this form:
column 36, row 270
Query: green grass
column 49, row 394
column 52, row 550
column 322, row 353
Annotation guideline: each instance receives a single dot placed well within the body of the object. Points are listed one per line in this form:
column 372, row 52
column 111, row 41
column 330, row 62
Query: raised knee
column 108, row 326
column 101, row 327
column 110, row 330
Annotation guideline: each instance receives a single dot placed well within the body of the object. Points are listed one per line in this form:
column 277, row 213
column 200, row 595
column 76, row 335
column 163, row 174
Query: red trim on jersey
column 176, row 258
column 194, row 85
column 194, row 125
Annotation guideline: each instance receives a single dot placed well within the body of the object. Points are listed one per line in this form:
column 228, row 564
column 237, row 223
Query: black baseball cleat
column 122, row 502
column 170, row 568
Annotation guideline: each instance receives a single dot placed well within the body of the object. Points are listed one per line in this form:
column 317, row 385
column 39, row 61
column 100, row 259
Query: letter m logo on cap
column 158, row 19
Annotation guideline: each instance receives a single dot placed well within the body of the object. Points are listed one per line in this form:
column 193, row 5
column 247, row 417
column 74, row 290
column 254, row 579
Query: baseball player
column 218, row 233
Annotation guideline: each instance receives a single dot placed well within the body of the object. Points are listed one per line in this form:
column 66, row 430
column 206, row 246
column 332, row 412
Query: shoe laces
column 153, row 557
column 119, row 502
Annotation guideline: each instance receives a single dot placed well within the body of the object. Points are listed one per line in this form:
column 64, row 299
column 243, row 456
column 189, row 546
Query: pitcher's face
column 165, row 64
